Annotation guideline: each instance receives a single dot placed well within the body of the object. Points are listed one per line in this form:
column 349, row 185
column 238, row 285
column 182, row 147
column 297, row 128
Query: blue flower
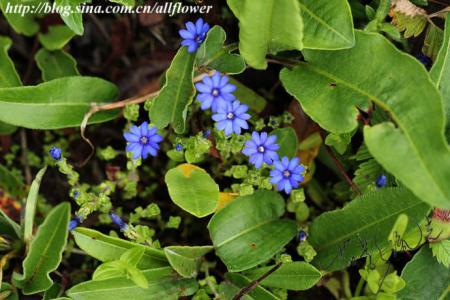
column 74, row 223
column 215, row 91
column 194, row 35
column 55, row 153
column 232, row 117
column 143, row 140
column 287, row 174
column 261, row 148
column 302, row 236
column 381, row 181
column 118, row 221
column 179, row 147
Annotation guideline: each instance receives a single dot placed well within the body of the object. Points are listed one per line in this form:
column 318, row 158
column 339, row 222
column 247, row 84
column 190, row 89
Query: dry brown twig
column 120, row 104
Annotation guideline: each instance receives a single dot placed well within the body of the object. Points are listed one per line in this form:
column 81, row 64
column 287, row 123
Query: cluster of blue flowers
column 286, row 174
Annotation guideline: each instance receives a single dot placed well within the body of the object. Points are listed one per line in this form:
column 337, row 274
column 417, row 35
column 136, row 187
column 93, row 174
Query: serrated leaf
column 287, row 140
column 362, row 226
column 192, row 189
column 45, row 251
column 58, row 103
column 186, row 259
column 425, row 278
column 55, row 64
column 30, row 205
column 330, row 92
column 411, row 25
column 367, row 173
column 328, row 24
column 161, row 285
column 249, row 231
column 267, row 26
column 170, row 106
column 56, row 37
column 214, row 55
column 441, row 251
column 296, row 276
column 24, row 23
column 440, row 72
column 108, row 248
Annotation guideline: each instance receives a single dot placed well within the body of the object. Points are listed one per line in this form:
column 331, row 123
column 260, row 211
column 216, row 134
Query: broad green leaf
column 110, row 269
column 23, row 23
column 362, row 226
column 55, row 64
column 238, row 282
column 6, row 129
column 170, row 106
column 56, row 37
column 45, row 252
column 248, row 96
column 108, row 248
column 8, row 73
column 440, row 72
column 296, row 276
column 56, row 104
column 10, row 183
column 248, row 230
column 425, row 278
column 333, row 84
column 287, row 140
column 133, row 256
column 185, row 259
column 30, row 205
column 267, row 26
column 73, row 19
column 162, row 284
column 328, row 24
column 215, row 56
column 192, row 189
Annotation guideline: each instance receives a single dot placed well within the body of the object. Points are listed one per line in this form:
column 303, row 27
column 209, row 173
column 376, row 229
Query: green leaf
column 186, row 260
column 56, row 104
column 192, row 189
column 162, row 284
column 45, row 252
column 170, row 106
column 130, row 3
column 328, row 24
column 56, row 37
column 440, row 72
column 30, row 206
column 110, row 269
column 8, row 226
column 339, row 142
column 296, row 276
column 108, row 248
column 10, row 183
column 137, row 276
column 8, row 292
column 23, row 23
column 248, row 96
column 133, row 256
column 240, row 230
column 287, row 140
column 433, row 42
column 6, row 129
column 362, row 226
column 330, row 92
column 441, row 251
column 55, row 64
column 238, row 282
column 74, row 19
column 214, row 55
column 268, row 26
column 8, row 73
column 425, row 278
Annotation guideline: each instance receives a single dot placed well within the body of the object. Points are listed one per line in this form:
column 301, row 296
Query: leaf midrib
column 245, row 232
column 379, row 102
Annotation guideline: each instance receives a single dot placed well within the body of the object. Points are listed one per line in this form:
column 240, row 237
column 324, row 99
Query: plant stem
column 359, row 287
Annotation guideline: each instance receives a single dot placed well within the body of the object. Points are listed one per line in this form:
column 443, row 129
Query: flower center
column 215, row 92
column 261, row 149
column 286, row 173
column 198, row 38
column 144, row 140
column 230, row 116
